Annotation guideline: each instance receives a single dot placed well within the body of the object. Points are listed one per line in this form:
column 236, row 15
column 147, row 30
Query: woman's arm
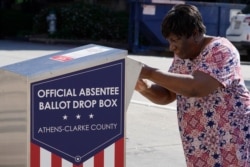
column 198, row 84
column 155, row 93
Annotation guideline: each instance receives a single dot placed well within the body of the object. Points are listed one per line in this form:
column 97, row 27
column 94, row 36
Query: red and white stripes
column 112, row 156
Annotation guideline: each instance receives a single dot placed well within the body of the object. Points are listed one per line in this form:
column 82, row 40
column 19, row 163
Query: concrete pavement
column 152, row 131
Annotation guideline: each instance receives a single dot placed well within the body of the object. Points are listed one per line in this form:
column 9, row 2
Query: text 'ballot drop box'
column 66, row 109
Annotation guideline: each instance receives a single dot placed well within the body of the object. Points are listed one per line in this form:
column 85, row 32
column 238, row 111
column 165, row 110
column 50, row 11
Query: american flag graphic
column 112, row 156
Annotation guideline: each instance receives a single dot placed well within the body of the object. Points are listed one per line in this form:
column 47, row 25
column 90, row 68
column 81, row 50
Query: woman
column 213, row 103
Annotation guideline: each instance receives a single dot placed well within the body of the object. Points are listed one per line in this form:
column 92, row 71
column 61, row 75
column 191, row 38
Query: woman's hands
column 151, row 90
column 141, row 85
column 146, row 71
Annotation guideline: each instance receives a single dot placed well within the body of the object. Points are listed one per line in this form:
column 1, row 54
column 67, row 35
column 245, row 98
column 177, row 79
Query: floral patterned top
column 215, row 129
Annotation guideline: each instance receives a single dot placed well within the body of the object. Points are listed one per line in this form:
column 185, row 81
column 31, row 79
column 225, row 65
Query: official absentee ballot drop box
column 66, row 109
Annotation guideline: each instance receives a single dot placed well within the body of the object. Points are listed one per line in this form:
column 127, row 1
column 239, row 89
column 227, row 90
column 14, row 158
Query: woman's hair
column 183, row 20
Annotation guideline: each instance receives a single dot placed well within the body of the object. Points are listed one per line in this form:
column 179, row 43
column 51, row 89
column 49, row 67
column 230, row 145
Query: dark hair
column 183, row 20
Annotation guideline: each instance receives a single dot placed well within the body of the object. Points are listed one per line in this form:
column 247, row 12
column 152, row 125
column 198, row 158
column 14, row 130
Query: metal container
column 66, row 108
